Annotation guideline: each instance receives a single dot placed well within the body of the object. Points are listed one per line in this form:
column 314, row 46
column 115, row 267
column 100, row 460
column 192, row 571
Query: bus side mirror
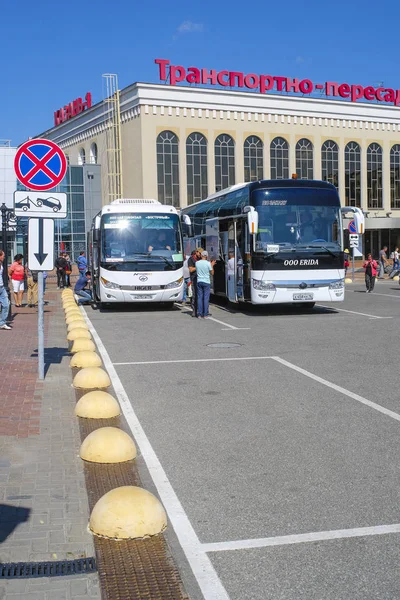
column 96, row 235
column 187, row 225
column 252, row 222
column 359, row 221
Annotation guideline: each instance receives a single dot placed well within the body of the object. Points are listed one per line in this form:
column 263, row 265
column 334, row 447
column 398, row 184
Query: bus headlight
column 336, row 285
column 174, row 284
column 258, row 284
column 109, row 284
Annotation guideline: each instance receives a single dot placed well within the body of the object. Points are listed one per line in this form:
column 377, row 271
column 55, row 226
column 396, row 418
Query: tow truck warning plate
column 40, row 204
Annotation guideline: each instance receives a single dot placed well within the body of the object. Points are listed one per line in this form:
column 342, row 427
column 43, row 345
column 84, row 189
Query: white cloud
column 299, row 60
column 190, row 27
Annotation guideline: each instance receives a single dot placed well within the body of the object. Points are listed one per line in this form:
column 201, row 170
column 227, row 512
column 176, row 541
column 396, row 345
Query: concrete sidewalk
column 43, row 503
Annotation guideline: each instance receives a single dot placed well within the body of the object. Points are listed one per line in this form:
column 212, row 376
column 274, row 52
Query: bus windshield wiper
column 335, row 254
column 169, row 263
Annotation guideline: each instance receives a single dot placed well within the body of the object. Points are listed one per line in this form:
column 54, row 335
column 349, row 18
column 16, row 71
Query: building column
column 239, row 157
column 364, row 179
column 292, row 153
column 317, row 158
column 386, row 175
column 182, row 169
column 211, row 162
column 342, row 172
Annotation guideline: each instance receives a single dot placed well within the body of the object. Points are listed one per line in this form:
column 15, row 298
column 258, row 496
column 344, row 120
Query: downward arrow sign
column 40, row 256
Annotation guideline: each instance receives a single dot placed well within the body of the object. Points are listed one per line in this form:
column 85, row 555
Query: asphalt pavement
column 272, row 437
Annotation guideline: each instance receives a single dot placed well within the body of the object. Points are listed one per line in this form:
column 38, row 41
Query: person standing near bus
column 5, row 305
column 194, row 257
column 371, row 269
column 17, row 274
column 204, row 268
column 81, row 261
column 383, row 261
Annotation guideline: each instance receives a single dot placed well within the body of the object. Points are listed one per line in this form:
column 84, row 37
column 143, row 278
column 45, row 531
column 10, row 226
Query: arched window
column 82, row 157
column 253, row 158
column 304, row 159
column 395, row 176
column 224, row 162
column 330, row 162
column 93, row 154
column 352, row 171
column 168, row 168
column 279, row 158
column 196, row 167
column 374, row 176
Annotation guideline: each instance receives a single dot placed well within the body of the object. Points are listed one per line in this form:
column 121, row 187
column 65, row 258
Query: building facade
column 180, row 144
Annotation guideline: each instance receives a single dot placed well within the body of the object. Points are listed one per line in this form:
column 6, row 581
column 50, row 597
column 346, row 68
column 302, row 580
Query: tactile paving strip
column 128, row 569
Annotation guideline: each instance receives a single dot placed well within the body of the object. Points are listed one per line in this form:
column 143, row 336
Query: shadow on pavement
column 135, row 308
column 52, row 356
column 10, row 518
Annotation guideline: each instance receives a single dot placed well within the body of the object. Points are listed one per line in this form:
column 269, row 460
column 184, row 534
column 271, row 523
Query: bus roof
column 138, row 205
column 299, row 183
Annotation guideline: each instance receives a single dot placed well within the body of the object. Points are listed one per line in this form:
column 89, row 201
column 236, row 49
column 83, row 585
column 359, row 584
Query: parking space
column 264, row 432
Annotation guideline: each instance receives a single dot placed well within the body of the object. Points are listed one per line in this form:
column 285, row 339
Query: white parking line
column 203, row 570
column 397, row 296
column 227, row 325
column 318, row 536
column 333, row 308
column 191, row 360
column 338, row 388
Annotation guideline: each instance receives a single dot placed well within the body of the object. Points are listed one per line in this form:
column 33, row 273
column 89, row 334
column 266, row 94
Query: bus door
column 231, row 263
column 213, row 248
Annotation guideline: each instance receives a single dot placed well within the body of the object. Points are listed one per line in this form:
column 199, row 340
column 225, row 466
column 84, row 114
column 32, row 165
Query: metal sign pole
column 352, row 268
column 41, row 324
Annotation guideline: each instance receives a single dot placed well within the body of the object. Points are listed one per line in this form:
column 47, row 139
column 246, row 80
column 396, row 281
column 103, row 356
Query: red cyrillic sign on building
column 266, row 83
column 72, row 109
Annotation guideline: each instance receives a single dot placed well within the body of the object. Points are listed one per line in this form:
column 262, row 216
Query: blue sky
column 53, row 52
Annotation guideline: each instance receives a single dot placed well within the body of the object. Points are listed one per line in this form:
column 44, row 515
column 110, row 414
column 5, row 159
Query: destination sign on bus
column 263, row 83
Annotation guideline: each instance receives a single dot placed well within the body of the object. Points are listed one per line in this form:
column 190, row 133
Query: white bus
column 277, row 241
column 135, row 253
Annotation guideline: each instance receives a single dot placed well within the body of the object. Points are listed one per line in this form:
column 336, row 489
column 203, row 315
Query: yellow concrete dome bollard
column 128, row 512
column 396, row 278
column 83, row 359
column 97, row 405
column 348, row 280
column 72, row 310
column 91, row 378
column 108, row 445
column 82, row 344
column 81, row 332
column 67, row 295
column 73, row 318
column 70, row 304
column 77, row 325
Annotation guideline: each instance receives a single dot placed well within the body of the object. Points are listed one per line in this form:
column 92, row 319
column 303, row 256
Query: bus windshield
column 126, row 237
column 297, row 218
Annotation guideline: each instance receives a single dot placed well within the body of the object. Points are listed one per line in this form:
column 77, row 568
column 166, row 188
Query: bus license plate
column 303, row 297
column 144, row 297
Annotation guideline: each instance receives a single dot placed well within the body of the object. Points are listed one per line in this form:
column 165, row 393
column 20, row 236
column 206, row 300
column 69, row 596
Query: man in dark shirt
column 194, row 257
column 80, row 288
column 61, row 266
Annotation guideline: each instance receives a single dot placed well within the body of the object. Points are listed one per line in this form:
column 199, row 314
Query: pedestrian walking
column 32, row 280
column 204, row 268
column 61, row 266
column 17, row 274
column 346, row 261
column 396, row 263
column 68, row 270
column 5, row 304
column 81, row 261
column 383, row 261
column 80, row 290
column 371, row 269
column 194, row 257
